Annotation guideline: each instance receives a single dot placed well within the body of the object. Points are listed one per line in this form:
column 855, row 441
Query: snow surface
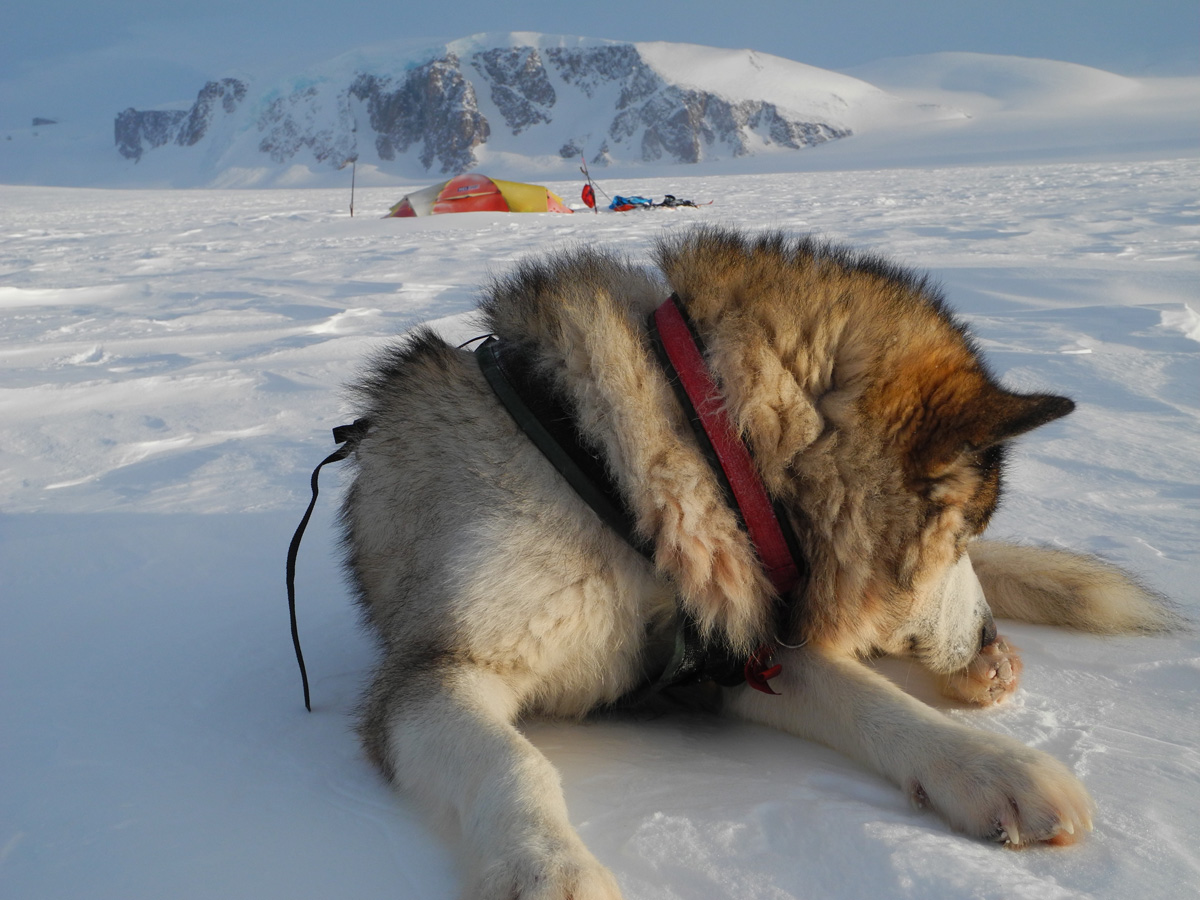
column 171, row 362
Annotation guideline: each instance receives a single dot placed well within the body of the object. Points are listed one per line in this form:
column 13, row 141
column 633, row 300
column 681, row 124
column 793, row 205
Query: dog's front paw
column 996, row 788
column 990, row 678
column 566, row 874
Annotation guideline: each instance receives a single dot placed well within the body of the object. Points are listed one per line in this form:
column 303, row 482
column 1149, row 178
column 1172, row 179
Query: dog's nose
column 988, row 635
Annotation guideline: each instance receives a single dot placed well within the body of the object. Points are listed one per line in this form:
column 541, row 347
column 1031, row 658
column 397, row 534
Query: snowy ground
column 171, row 362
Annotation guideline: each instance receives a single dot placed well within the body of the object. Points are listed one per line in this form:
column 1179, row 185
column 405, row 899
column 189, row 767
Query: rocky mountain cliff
column 534, row 96
column 137, row 131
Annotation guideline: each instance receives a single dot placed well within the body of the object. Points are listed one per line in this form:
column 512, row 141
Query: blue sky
column 143, row 52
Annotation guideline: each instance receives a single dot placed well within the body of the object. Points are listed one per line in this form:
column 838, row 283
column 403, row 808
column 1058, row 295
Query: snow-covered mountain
column 528, row 105
column 537, row 100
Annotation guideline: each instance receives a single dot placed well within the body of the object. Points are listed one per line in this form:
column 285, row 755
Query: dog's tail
column 1055, row 587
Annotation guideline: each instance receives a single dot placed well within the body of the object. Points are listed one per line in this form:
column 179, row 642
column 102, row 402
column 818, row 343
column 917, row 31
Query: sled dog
column 878, row 434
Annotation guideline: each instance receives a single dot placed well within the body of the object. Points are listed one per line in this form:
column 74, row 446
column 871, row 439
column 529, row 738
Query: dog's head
column 873, row 418
column 947, row 486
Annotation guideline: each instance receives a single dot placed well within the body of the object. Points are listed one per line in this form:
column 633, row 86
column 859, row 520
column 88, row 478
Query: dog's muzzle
column 962, row 591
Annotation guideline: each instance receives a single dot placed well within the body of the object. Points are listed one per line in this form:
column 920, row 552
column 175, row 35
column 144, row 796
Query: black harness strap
column 551, row 427
column 348, row 436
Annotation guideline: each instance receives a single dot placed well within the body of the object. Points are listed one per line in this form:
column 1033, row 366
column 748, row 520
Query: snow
column 1009, row 80
column 795, row 87
column 1035, row 110
column 171, row 366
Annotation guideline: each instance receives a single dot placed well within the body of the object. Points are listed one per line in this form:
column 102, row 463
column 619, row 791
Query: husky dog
column 497, row 592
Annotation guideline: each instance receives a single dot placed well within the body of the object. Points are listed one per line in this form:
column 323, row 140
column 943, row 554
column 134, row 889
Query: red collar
column 747, row 492
column 750, row 497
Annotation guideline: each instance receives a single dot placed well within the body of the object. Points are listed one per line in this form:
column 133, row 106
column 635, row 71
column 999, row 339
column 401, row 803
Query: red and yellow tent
column 478, row 193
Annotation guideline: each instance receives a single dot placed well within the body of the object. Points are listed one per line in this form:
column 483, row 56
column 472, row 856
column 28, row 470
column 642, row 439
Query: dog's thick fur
column 496, row 592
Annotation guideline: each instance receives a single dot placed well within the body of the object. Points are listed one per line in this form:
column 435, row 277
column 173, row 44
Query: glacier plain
column 171, row 363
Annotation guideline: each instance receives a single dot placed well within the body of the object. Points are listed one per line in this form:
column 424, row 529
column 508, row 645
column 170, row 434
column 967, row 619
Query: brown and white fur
column 497, row 593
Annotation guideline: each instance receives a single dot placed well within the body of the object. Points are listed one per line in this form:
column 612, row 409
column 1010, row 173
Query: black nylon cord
column 348, row 436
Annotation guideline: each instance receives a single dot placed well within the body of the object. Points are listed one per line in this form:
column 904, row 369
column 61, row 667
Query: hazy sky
column 149, row 52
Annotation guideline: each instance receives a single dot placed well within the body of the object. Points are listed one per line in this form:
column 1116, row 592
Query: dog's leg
column 448, row 739
column 986, row 785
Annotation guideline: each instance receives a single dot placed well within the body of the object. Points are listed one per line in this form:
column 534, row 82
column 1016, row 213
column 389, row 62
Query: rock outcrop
column 137, row 131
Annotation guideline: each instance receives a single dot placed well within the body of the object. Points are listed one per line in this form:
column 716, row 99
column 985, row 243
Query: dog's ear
column 975, row 420
column 1010, row 415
